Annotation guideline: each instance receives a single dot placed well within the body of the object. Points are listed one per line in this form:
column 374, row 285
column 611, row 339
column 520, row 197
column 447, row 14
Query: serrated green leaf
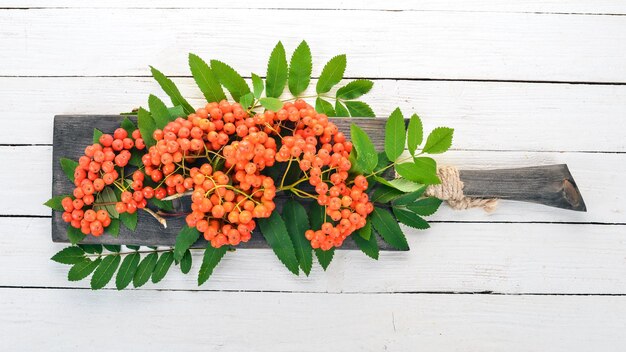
column 171, row 90
column 365, row 232
column 331, row 74
column 257, row 85
column 385, row 194
column 115, row 248
column 272, row 104
column 146, row 126
column 395, row 135
column 96, row 136
column 388, row 228
column 166, row 205
column 324, row 107
column 246, row 100
column 325, row 257
column 276, row 72
column 176, row 111
column 355, row 167
column 425, row 207
column 91, row 248
column 69, row 255
column 107, row 195
column 297, row 222
column 129, row 220
column 82, row 269
column 404, row 185
column 206, row 79
column 54, row 203
column 74, row 235
column 369, row 246
column 104, row 272
column 367, row 157
column 185, row 239
column 415, row 133
column 300, row 68
column 132, row 247
column 212, row 257
column 127, row 270
column 383, row 162
column 185, row 262
column 340, row 109
column 144, row 270
column 230, row 79
column 162, row 266
column 410, row 219
column 355, row 89
column 68, row 166
column 359, row 109
column 317, row 216
column 114, row 228
column 410, row 197
column 128, row 125
column 439, row 140
column 159, row 112
column 422, row 171
column 275, row 233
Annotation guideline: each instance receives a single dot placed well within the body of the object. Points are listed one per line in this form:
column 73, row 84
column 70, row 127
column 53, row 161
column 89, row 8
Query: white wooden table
column 528, row 83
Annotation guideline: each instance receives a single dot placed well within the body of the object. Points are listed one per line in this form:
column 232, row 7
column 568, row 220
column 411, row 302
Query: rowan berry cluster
column 96, row 170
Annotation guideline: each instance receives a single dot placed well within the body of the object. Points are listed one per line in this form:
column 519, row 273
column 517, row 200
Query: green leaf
column 324, row 107
column 341, row 110
column 422, row 171
column 105, row 271
column 297, row 222
column 69, row 255
column 365, row 232
column 369, row 246
column 185, row 262
column 115, row 248
column 166, row 205
column 74, row 235
column 359, row 109
column 128, row 125
column 171, row 90
column 68, row 166
column 257, row 85
column 246, row 100
column 385, row 194
column 325, row 257
column 91, row 248
column 410, row 197
column 300, row 68
column 331, row 74
column 404, row 185
column 439, row 140
column 273, row 104
column 96, row 136
column 129, row 220
column 355, row 89
column 415, row 134
column 127, row 270
column 317, row 216
column 162, row 266
column 275, row 233
column 206, row 79
column 132, row 247
column 410, row 219
column 159, row 112
column 185, row 239
column 82, row 269
column 230, row 79
column 176, row 111
column 426, row 206
column 107, row 195
column 55, row 202
column 114, row 228
column 146, row 126
column 276, row 72
column 212, row 257
column 395, row 135
column 144, row 270
column 367, row 158
column 388, row 228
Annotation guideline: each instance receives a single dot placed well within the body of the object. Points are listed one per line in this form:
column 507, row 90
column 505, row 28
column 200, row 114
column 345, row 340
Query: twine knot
column 451, row 190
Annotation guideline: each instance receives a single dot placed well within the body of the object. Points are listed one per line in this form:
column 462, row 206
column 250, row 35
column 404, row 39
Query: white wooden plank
column 503, row 258
column 501, row 46
column 201, row 321
column 569, row 7
column 599, row 177
column 513, row 116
